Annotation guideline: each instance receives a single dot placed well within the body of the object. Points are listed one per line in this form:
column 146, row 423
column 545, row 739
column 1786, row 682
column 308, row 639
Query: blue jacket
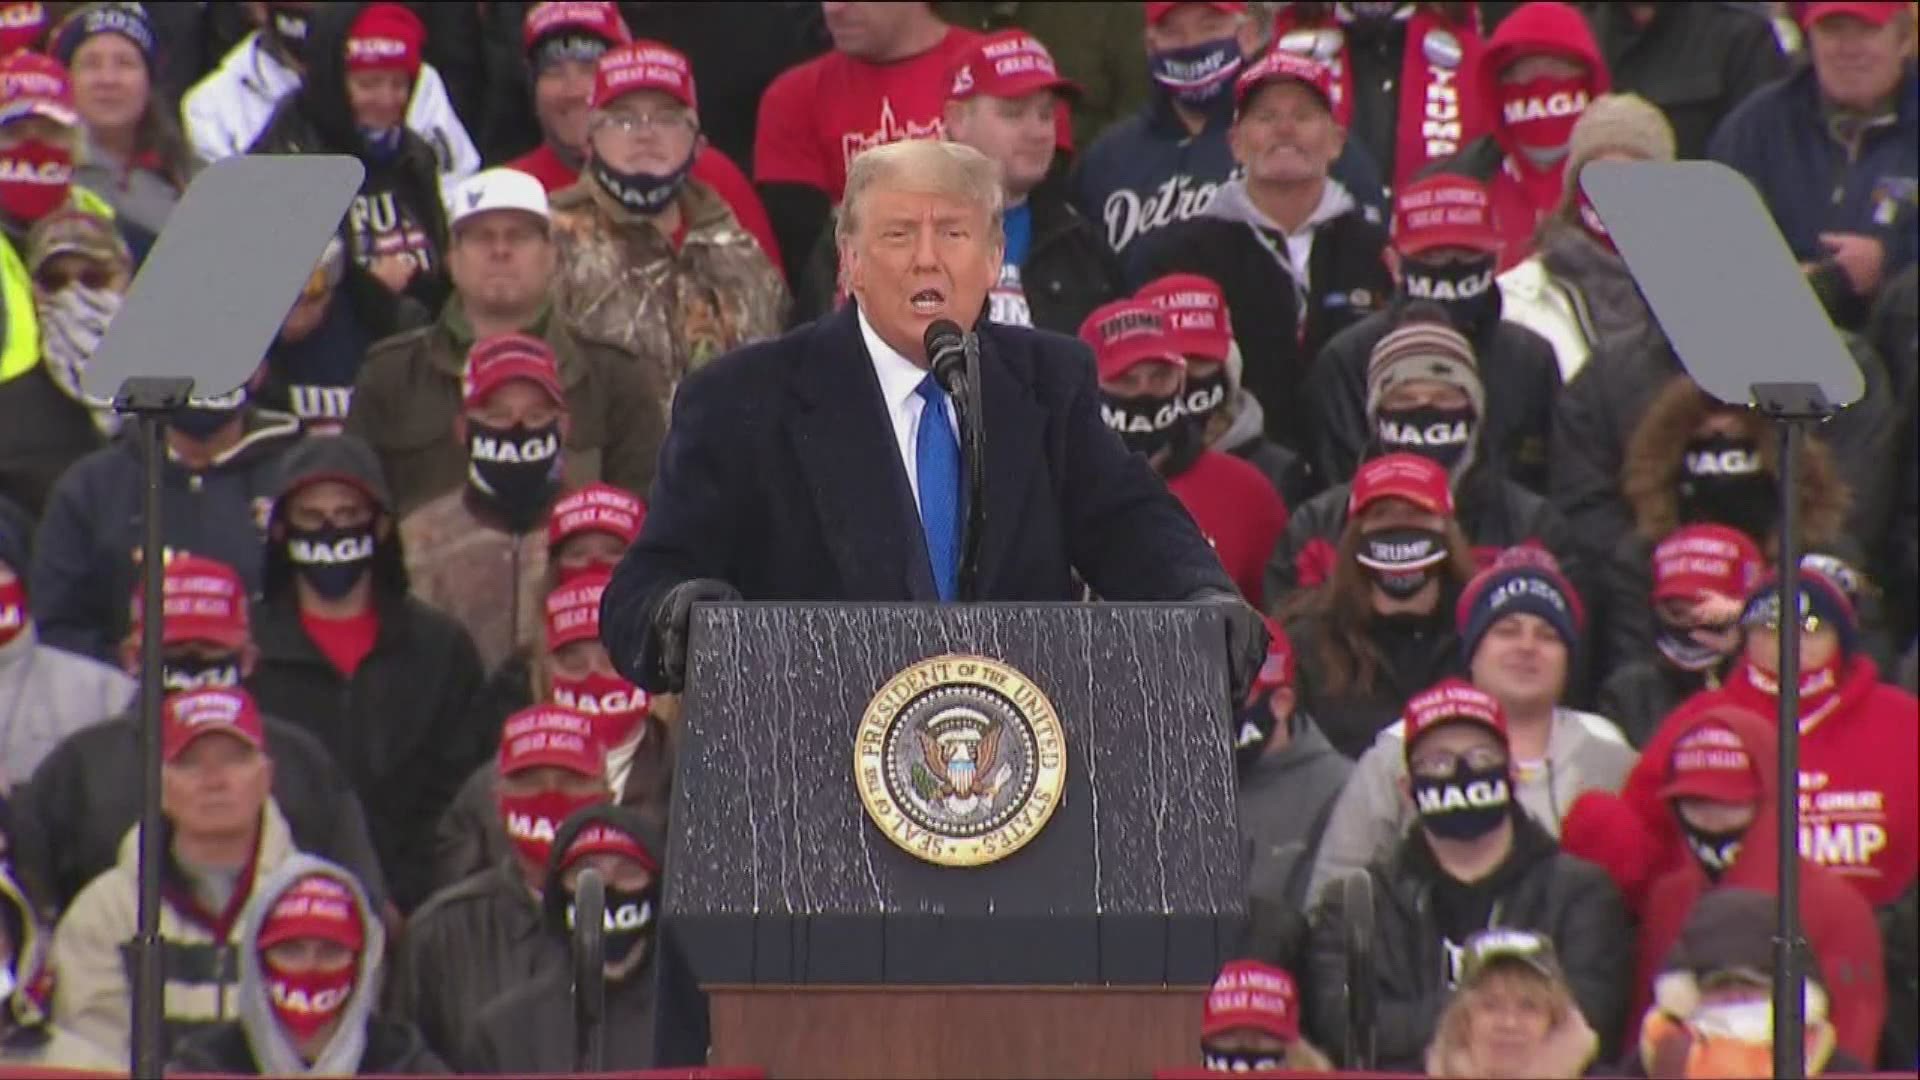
column 83, row 556
column 781, row 476
column 1146, row 172
column 1778, row 139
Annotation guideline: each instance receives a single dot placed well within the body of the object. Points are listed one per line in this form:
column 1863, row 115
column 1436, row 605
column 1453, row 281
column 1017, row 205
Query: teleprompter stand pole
column 150, row 401
column 1792, row 407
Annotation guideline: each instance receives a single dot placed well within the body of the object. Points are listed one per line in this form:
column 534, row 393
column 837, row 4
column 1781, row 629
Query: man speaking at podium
column 827, row 464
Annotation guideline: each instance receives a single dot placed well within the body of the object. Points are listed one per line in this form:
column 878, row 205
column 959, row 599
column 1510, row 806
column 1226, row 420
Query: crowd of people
column 1340, row 287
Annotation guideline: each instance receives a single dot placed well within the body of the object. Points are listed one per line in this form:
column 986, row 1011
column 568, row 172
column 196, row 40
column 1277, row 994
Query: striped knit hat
column 1424, row 351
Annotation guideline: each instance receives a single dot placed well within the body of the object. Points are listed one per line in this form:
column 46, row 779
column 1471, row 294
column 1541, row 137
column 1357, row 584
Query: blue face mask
column 382, row 144
column 199, row 422
column 642, row 193
column 1198, row 76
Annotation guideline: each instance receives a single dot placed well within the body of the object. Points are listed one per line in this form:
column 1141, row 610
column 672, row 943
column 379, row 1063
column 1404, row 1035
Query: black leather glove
column 1246, row 640
column 670, row 625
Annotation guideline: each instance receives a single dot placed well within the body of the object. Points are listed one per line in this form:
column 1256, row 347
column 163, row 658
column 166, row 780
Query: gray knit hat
column 1424, row 350
column 1627, row 123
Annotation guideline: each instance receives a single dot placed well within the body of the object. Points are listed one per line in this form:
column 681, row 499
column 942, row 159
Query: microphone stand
column 973, row 446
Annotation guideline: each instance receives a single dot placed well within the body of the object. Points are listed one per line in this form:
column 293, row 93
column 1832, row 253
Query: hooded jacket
column 1860, row 769
column 86, row 795
column 405, row 727
column 1584, row 753
column 50, row 694
column 1279, row 321
column 1539, row 888
column 398, row 207
column 529, row 1027
column 1245, row 437
column 29, row 1039
column 680, row 302
column 1552, row 28
column 1283, row 805
column 408, row 394
column 83, row 561
column 256, row 1044
column 1838, row 922
column 1650, row 483
column 1516, row 367
column 94, row 992
column 1494, row 512
column 1603, row 406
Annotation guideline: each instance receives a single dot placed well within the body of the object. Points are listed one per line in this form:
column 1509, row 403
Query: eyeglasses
column 93, row 276
column 1442, row 766
column 632, row 125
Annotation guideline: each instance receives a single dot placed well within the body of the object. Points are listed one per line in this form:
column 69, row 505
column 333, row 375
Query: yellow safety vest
column 22, row 349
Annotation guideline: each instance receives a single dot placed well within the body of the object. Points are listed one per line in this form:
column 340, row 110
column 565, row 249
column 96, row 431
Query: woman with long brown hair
column 135, row 157
column 1381, row 628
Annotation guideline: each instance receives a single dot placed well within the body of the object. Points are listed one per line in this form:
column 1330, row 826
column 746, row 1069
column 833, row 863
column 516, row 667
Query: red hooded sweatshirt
column 1540, row 113
column 1838, row 921
column 1859, row 786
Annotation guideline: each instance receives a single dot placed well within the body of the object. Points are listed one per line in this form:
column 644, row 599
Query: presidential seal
column 960, row 760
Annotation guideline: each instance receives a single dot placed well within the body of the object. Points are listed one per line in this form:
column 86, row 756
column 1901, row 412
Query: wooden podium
column 807, row 939
column 940, row 1032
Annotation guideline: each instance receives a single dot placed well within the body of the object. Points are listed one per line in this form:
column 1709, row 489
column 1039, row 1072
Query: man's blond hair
column 944, row 168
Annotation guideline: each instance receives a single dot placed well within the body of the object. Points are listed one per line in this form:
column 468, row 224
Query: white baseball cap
column 498, row 189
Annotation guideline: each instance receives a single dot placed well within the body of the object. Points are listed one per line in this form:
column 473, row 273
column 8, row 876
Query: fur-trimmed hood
column 1650, row 473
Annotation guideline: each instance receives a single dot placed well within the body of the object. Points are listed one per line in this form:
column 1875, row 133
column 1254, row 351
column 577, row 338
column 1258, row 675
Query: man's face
column 1441, row 747
column 378, row 99
column 1818, row 647
column 918, row 257
column 216, row 787
column 69, row 268
column 583, row 550
column 1542, row 66
column 579, row 659
column 867, row 31
column 1522, row 662
column 325, row 503
column 1424, row 394
column 1152, row 378
column 501, row 260
column 1196, row 24
column 1712, row 815
column 516, row 402
column 1857, row 63
column 544, row 778
column 1016, row 132
column 37, row 128
column 643, row 132
column 1286, row 135
column 560, row 94
column 300, row 955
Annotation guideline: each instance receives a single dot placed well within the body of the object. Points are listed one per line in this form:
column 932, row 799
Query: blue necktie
column 937, row 465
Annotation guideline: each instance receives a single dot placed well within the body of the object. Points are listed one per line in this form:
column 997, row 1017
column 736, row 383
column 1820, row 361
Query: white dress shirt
column 900, row 380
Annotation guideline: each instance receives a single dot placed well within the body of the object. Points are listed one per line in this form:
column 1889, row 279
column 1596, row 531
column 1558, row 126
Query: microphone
column 946, row 346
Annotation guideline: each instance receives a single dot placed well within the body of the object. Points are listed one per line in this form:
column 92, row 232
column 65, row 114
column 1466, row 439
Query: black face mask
column 1464, row 290
column 1204, row 397
column 1144, row 424
column 516, row 469
column 1714, row 851
column 199, row 422
column 1442, row 436
column 642, row 193
column 1243, row 1061
column 1722, row 481
column 330, row 558
column 1402, row 561
column 291, row 28
column 628, row 922
column 1466, row 805
column 178, row 673
column 1252, row 728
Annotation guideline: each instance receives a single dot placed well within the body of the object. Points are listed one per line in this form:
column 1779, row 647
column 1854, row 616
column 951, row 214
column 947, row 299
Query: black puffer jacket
column 1495, row 513
column 315, row 119
column 529, row 1028
column 1067, row 273
column 1603, row 405
column 393, row 1049
column 1517, row 367
column 1415, row 660
column 85, row 796
column 406, row 727
column 1541, row 889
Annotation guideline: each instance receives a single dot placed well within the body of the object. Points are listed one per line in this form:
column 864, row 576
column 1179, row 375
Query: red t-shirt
column 816, row 117
column 1238, row 512
column 344, row 642
column 710, row 167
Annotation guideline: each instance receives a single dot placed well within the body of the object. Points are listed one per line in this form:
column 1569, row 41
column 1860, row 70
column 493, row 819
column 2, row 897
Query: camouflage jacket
column 478, row 574
column 620, row 281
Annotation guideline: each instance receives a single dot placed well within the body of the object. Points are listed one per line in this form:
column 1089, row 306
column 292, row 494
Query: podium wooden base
column 940, row 1032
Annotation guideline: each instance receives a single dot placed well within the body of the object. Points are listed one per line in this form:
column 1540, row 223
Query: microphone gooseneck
column 946, row 346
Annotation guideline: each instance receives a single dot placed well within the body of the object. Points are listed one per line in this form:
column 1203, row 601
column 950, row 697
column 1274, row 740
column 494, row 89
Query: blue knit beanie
column 1521, row 581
